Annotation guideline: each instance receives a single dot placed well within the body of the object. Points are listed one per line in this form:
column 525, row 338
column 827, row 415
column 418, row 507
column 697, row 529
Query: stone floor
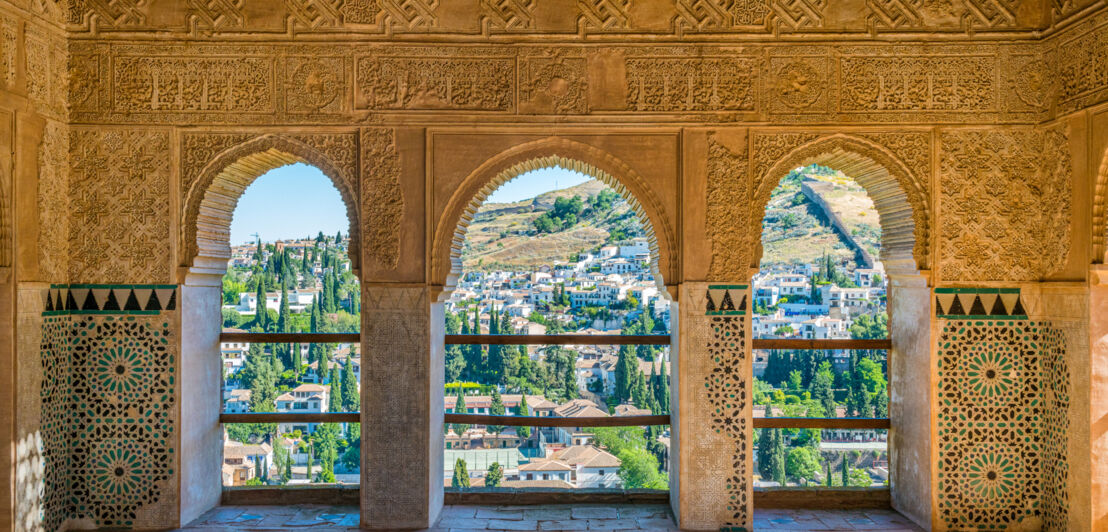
column 550, row 517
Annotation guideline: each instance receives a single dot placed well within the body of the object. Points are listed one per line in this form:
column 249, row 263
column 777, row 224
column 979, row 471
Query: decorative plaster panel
column 727, row 217
column 1006, row 199
column 119, row 196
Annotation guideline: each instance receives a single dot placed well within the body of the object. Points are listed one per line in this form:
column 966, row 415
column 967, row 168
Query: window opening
column 820, row 329
column 557, row 317
column 290, row 343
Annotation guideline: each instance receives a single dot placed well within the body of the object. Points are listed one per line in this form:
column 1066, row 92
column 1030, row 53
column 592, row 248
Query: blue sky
column 289, row 202
column 536, row 182
column 298, row 200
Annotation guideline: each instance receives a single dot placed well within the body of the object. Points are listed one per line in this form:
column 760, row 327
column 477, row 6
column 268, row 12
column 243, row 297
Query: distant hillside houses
column 607, row 278
column 786, row 292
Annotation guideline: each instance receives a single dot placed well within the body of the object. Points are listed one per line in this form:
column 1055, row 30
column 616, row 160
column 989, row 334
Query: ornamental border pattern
column 727, row 390
column 333, row 83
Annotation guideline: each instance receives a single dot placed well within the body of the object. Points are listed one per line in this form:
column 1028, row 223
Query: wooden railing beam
column 557, row 339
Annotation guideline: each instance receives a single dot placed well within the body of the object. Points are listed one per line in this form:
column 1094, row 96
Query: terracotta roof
column 631, row 410
column 586, row 456
column 559, row 484
column 579, row 408
column 545, row 465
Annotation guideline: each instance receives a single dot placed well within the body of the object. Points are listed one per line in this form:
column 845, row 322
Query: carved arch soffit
column 1100, row 217
column 450, row 231
column 900, row 197
column 211, row 193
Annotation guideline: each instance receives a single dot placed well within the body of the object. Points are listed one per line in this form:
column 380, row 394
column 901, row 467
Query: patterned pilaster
column 714, row 408
column 396, row 388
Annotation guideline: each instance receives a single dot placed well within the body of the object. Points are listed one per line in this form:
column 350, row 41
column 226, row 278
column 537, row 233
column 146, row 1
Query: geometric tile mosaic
column 109, row 407
column 109, row 299
column 979, row 303
column 727, row 390
column 1002, row 425
column 726, row 300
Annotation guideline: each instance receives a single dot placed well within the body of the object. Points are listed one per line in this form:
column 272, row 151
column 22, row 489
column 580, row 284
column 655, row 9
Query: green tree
column 460, row 408
column 310, row 464
column 455, row 362
column 351, row 397
column 795, row 380
column 801, row 464
column 461, row 476
column 494, row 476
column 260, row 312
column 638, row 469
column 846, row 471
column 626, row 366
column 523, row 410
column 496, row 409
column 335, row 399
column 820, row 387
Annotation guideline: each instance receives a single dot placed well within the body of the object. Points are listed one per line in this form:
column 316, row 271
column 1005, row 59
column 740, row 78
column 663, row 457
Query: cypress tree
column 663, row 390
column 260, row 311
column 523, row 410
column 460, row 408
column 306, row 262
column 297, row 360
column 496, row 359
column 778, row 467
column 494, row 476
column 496, row 409
column 846, row 472
column 338, row 237
column 461, row 476
column 625, row 376
column 311, row 465
column 334, row 403
column 351, row 397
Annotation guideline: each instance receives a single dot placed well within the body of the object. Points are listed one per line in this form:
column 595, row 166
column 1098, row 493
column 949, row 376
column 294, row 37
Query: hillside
column 796, row 229
column 503, row 236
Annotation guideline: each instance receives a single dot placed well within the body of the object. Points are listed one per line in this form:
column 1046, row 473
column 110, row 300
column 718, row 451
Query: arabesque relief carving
column 1006, row 200
column 727, row 214
column 333, row 84
column 382, row 201
column 412, row 83
column 119, row 198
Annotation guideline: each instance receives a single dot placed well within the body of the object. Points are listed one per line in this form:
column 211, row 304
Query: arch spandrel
column 210, row 199
column 903, row 204
column 453, row 223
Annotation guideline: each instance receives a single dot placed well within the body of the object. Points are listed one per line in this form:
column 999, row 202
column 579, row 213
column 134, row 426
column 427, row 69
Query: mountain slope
column 797, row 230
column 503, row 235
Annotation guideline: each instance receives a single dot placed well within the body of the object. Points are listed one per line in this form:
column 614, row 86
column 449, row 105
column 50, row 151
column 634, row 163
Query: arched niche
column 211, row 200
column 450, row 231
column 902, row 204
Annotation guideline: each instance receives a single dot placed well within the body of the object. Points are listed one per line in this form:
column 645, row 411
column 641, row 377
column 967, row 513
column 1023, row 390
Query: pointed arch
column 211, row 199
column 903, row 205
column 451, row 229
